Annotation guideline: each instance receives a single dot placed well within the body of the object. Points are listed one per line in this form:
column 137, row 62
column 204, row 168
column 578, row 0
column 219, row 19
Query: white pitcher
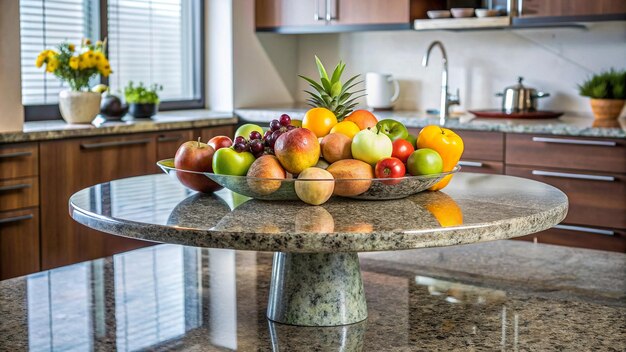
column 382, row 90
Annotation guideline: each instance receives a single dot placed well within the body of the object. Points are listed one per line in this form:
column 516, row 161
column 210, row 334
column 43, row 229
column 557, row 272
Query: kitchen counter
column 567, row 125
column 503, row 295
column 167, row 120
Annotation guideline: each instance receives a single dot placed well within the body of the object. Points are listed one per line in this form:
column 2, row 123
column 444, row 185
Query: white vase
column 79, row 107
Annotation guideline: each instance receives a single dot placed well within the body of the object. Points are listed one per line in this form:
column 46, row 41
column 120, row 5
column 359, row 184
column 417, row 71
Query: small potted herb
column 607, row 91
column 143, row 102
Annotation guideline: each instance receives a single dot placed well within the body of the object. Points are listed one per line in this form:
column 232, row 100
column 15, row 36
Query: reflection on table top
column 499, row 295
column 474, row 207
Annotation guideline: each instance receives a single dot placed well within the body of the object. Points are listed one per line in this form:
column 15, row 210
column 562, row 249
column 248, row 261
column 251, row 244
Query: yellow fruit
column 320, row 121
column 347, row 128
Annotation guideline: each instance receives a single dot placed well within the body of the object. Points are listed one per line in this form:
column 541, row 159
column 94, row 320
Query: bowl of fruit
column 332, row 151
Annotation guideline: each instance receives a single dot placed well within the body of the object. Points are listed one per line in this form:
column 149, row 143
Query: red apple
column 219, row 142
column 297, row 150
column 390, row 168
column 402, row 149
column 195, row 156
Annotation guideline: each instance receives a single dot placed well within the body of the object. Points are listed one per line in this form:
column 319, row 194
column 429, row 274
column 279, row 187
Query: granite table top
column 473, row 208
column 501, row 295
column 163, row 121
column 567, row 125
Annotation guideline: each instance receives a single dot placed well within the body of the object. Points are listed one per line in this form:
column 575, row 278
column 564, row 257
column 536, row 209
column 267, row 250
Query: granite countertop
column 472, row 208
column 163, row 121
column 566, row 125
column 502, row 295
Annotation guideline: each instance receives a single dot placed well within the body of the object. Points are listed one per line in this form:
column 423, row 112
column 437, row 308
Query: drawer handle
column 114, row 144
column 577, row 176
column 574, row 141
column 16, row 219
column 15, row 155
column 585, row 229
column 169, row 138
column 471, row 163
column 14, row 187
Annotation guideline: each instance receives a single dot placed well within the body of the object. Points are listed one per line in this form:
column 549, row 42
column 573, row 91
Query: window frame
column 43, row 112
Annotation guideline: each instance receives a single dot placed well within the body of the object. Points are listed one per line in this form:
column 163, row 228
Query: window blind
column 43, row 25
column 151, row 42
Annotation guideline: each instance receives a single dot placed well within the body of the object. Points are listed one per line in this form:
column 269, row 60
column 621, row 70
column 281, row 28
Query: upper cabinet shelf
column 329, row 16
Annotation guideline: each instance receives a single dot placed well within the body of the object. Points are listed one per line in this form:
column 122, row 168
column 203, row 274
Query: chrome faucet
column 447, row 99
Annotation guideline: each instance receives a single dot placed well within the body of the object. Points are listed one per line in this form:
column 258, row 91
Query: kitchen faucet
column 447, row 99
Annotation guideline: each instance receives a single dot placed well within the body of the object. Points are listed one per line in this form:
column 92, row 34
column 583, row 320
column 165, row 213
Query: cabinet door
column 347, row 12
column 280, row 13
column 208, row 133
column 571, row 7
column 19, row 242
column 68, row 166
column 584, row 237
column 168, row 143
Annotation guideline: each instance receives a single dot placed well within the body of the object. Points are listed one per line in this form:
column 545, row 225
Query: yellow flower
column 71, row 47
column 81, row 62
column 105, row 70
column 99, row 59
column 52, row 65
column 74, row 63
column 87, row 41
column 41, row 58
column 99, row 43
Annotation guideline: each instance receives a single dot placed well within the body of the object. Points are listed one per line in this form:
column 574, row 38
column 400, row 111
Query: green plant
column 140, row 94
column 331, row 93
column 605, row 85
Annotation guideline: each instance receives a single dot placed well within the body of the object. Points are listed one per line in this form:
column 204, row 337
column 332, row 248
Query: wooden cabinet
column 548, row 8
column 168, row 143
column 285, row 13
column 19, row 160
column 19, row 242
column 581, row 236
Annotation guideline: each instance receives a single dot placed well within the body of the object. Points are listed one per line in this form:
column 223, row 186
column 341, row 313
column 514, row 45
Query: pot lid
column 518, row 86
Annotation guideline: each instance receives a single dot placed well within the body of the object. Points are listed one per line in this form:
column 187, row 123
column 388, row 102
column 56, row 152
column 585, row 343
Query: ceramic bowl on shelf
column 438, row 14
column 284, row 189
column 461, row 12
column 486, row 13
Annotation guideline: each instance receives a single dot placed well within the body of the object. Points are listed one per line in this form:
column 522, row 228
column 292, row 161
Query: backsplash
column 481, row 63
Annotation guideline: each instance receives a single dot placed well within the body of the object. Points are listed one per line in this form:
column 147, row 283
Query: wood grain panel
column 19, row 193
column 370, row 11
column 280, row 13
column 562, row 237
column 68, row 166
column 527, row 149
column 208, row 133
column 19, row 242
column 486, row 167
column 168, row 143
column 19, row 160
column 479, row 145
column 572, row 7
column 591, row 203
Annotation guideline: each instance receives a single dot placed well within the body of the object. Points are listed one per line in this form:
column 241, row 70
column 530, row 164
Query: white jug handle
column 396, row 90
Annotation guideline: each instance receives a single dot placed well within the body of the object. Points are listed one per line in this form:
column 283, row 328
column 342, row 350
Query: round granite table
column 316, row 278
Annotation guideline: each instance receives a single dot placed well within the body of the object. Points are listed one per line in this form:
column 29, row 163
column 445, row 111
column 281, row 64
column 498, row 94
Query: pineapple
column 331, row 93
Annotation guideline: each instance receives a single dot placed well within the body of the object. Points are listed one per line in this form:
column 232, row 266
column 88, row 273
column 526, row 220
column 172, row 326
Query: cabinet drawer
column 19, row 193
column 19, row 160
column 483, row 167
column 19, row 242
column 482, row 145
column 597, row 154
column 583, row 237
column 595, row 199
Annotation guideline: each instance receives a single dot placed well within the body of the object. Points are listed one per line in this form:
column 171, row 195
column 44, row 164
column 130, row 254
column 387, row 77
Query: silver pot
column 518, row 98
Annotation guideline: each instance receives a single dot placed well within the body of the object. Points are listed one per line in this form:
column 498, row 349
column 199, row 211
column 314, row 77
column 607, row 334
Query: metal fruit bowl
column 284, row 189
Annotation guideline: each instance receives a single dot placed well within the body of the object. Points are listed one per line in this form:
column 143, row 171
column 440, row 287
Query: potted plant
column 143, row 102
column 607, row 91
column 76, row 67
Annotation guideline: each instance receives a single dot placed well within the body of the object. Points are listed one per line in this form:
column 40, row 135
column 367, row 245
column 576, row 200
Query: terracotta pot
column 79, row 107
column 607, row 109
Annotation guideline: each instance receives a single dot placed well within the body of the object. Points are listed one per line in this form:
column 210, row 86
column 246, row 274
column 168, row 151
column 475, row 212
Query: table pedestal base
column 316, row 289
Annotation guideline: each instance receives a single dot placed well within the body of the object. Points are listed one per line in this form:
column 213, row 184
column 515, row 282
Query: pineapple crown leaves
column 330, row 93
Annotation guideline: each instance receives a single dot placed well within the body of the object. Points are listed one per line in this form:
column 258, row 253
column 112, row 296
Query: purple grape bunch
column 258, row 144
column 277, row 128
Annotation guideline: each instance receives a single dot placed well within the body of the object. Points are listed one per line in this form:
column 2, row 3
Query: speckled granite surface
column 473, row 208
column 503, row 295
column 568, row 125
column 173, row 120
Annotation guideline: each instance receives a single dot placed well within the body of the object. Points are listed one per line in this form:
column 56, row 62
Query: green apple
column 226, row 161
column 412, row 139
column 370, row 146
column 393, row 129
column 424, row 161
column 244, row 130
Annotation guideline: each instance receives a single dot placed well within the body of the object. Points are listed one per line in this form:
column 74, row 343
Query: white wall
column 11, row 109
column 481, row 63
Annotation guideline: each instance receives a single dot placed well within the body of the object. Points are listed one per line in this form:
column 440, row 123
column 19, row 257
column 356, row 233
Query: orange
column 319, row 121
column 362, row 118
column 347, row 128
column 444, row 209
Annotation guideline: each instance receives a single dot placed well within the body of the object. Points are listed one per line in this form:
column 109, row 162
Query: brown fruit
column 267, row 166
column 336, row 146
column 297, row 150
column 351, row 169
column 314, row 192
column 195, row 156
